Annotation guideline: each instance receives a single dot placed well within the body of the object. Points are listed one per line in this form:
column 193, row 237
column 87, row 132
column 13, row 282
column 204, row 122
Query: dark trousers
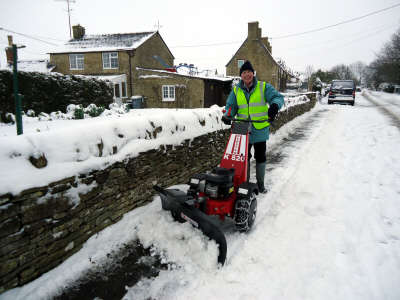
column 259, row 151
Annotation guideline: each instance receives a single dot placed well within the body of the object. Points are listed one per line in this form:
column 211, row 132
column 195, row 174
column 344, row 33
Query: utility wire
column 280, row 37
column 328, row 41
column 201, row 58
column 31, row 52
column 335, row 48
column 291, row 34
column 27, row 36
column 209, row 45
column 206, row 45
column 395, row 24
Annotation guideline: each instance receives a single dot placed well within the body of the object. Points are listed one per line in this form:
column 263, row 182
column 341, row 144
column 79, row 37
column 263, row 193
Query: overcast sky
column 209, row 22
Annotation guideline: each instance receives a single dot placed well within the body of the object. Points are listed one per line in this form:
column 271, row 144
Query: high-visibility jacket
column 256, row 108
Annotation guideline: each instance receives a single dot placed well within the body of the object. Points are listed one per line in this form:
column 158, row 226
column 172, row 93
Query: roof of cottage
column 105, row 42
column 42, row 66
column 168, row 74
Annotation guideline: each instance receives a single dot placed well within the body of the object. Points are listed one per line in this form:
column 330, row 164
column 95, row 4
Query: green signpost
column 18, row 97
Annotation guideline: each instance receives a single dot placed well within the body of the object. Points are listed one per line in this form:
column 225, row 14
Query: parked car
column 342, row 91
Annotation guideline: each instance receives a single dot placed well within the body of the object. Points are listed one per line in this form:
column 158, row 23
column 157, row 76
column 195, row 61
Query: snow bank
column 71, row 146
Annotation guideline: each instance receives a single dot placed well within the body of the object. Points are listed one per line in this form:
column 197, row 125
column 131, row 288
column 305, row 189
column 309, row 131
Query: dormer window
column 110, row 60
column 76, row 62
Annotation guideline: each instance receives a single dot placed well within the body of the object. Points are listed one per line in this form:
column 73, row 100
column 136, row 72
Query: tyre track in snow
column 276, row 157
column 320, row 172
column 307, row 164
column 388, row 108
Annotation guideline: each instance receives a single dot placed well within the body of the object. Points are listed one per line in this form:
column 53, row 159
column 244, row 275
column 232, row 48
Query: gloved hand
column 226, row 122
column 273, row 111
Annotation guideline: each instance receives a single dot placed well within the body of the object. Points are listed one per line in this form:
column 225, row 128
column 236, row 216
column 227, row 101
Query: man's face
column 247, row 77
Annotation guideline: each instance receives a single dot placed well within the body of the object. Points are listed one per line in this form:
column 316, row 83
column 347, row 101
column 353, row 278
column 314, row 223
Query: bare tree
column 389, row 57
column 181, row 96
column 309, row 71
column 342, row 72
column 358, row 68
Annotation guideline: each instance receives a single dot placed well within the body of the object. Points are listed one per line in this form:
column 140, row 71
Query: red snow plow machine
column 225, row 191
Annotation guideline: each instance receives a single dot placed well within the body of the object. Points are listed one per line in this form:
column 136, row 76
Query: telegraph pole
column 158, row 26
column 69, row 15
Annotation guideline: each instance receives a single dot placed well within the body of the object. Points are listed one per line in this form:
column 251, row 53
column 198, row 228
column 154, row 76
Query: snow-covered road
column 329, row 227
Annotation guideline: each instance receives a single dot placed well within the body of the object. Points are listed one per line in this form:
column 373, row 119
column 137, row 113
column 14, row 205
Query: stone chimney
column 9, row 52
column 255, row 34
column 78, row 31
column 265, row 41
column 253, row 31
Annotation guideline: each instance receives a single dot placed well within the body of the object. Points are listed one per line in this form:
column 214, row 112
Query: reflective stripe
column 242, row 106
column 261, row 92
column 242, row 116
column 257, row 115
column 262, row 102
column 253, row 104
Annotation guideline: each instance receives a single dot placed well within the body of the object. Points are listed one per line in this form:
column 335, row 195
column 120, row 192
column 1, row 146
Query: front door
column 212, row 93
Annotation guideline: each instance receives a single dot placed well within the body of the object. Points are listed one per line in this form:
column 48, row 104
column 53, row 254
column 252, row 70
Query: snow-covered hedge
column 52, row 92
column 73, row 112
column 386, row 87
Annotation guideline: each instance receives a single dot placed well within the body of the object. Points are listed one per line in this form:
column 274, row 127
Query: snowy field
column 329, row 227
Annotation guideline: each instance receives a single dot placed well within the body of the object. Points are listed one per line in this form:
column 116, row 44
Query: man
column 256, row 100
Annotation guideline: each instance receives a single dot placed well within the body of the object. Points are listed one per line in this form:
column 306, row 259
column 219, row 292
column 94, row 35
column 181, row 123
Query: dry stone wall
column 43, row 226
column 292, row 112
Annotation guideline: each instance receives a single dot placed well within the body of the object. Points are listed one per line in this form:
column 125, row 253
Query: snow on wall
column 80, row 146
column 75, row 149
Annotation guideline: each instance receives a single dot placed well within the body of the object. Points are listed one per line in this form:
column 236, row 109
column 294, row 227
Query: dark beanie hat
column 246, row 66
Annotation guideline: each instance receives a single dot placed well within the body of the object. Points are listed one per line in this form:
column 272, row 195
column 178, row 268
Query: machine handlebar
column 246, row 120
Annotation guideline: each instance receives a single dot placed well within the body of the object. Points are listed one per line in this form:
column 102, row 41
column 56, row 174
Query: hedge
column 52, row 92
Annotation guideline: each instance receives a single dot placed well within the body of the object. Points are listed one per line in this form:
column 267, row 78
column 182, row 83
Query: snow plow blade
column 183, row 210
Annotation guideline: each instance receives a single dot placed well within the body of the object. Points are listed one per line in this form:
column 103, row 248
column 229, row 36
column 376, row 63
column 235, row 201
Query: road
column 328, row 228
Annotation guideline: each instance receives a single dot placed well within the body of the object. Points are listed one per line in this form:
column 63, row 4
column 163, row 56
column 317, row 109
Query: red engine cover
column 235, row 156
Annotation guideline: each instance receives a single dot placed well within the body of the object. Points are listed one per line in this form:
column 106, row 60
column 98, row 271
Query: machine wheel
column 245, row 213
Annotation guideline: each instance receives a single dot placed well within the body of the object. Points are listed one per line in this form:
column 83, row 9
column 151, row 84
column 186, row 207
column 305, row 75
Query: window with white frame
column 168, row 92
column 76, row 62
column 123, row 87
column 110, row 60
column 120, row 90
column 117, row 93
column 240, row 62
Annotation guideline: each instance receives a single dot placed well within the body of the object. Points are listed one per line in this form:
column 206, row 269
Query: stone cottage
column 112, row 56
column 258, row 51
